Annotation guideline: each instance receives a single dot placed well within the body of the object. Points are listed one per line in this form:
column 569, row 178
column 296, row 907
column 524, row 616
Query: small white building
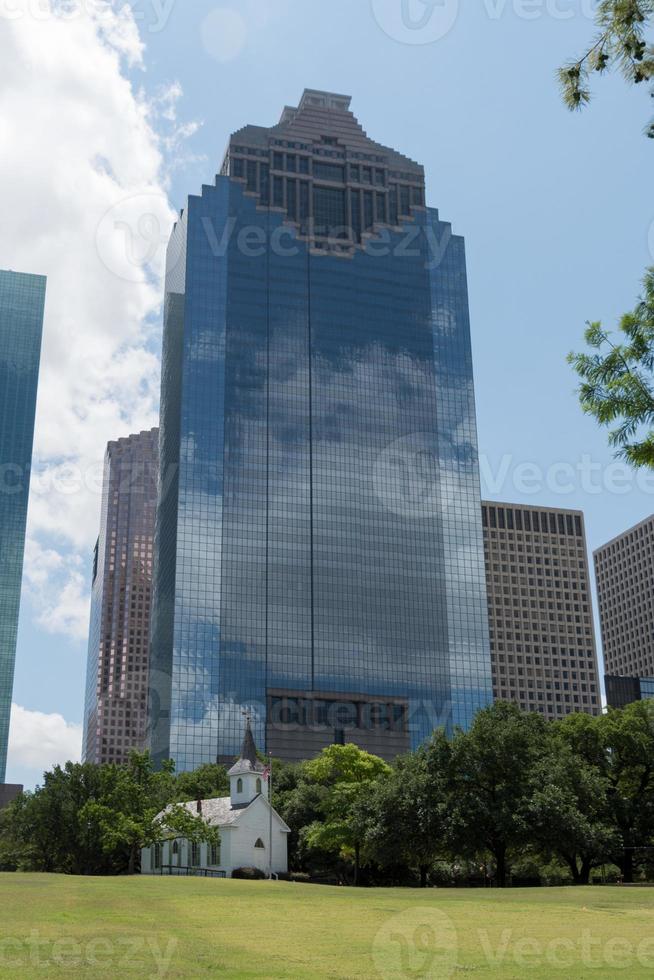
column 243, row 819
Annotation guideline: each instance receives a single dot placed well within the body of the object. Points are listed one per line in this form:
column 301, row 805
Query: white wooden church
column 243, row 819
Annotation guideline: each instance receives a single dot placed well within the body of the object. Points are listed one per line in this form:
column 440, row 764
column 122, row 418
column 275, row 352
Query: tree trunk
column 500, row 861
column 423, row 875
column 627, row 866
column 131, row 864
column 571, row 861
column 357, row 854
column 584, row 873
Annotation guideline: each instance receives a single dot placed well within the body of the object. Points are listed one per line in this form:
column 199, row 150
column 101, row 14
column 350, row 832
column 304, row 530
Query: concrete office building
column 543, row 650
column 624, row 573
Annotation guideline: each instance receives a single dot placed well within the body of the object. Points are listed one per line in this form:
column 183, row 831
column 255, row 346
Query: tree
column 620, row 44
column 617, row 386
column 492, row 780
column 408, row 812
column 127, row 812
column 299, row 804
column 620, row 745
column 204, row 783
column 617, row 379
column 570, row 812
column 47, row 831
column 628, row 739
column 348, row 774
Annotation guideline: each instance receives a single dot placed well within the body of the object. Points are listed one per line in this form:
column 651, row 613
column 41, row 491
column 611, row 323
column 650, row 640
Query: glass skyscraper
column 22, row 299
column 319, row 556
column 118, row 653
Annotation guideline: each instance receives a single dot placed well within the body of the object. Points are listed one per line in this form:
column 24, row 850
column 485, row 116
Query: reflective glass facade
column 22, row 299
column 118, row 653
column 319, row 521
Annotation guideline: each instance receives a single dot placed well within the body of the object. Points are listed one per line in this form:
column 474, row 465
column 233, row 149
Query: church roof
column 221, row 812
column 248, row 760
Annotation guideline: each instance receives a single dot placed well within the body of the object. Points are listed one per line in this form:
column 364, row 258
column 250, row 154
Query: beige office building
column 624, row 570
column 543, row 650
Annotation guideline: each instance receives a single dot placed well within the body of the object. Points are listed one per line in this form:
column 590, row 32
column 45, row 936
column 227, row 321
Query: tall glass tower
column 22, row 299
column 118, row 652
column 318, row 552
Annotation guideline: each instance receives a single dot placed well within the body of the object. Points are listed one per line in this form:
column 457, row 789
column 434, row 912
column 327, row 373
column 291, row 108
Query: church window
column 239, row 785
column 260, row 844
column 258, row 785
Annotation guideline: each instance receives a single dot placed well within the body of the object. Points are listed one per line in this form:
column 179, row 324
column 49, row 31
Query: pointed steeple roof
column 247, row 761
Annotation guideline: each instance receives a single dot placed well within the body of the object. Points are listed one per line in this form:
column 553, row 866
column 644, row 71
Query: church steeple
column 246, row 777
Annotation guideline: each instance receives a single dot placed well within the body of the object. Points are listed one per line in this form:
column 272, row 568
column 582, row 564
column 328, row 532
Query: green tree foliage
column 529, row 794
column 88, row 819
column 205, row 783
column 406, row 820
column 620, row 745
column 570, row 812
column 627, row 738
column 621, row 43
column 616, row 380
column 492, row 781
column 346, row 775
column 47, row 831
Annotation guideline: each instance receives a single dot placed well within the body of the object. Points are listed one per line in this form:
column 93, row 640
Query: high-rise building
column 623, row 690
column 540, row 612
column 22, row 300
column 319, row 553
column 624, row 572
column 115, row 712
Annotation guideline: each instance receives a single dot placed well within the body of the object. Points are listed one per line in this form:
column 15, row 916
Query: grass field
column 55, row 926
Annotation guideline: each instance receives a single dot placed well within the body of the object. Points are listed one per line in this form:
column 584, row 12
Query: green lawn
column 55, row 926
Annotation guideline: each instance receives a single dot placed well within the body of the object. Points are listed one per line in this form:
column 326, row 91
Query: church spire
column 247, row 761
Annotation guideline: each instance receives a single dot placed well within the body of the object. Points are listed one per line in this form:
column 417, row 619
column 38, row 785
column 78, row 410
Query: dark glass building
column 319, row 556
column 22, row 299
column 621, row 691
column 117, row 672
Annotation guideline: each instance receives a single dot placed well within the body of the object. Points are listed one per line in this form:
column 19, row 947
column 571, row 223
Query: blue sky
column 554, row 207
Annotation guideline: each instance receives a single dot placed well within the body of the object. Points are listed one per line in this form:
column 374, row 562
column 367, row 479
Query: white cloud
column 39, row 741
column 87, row 206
